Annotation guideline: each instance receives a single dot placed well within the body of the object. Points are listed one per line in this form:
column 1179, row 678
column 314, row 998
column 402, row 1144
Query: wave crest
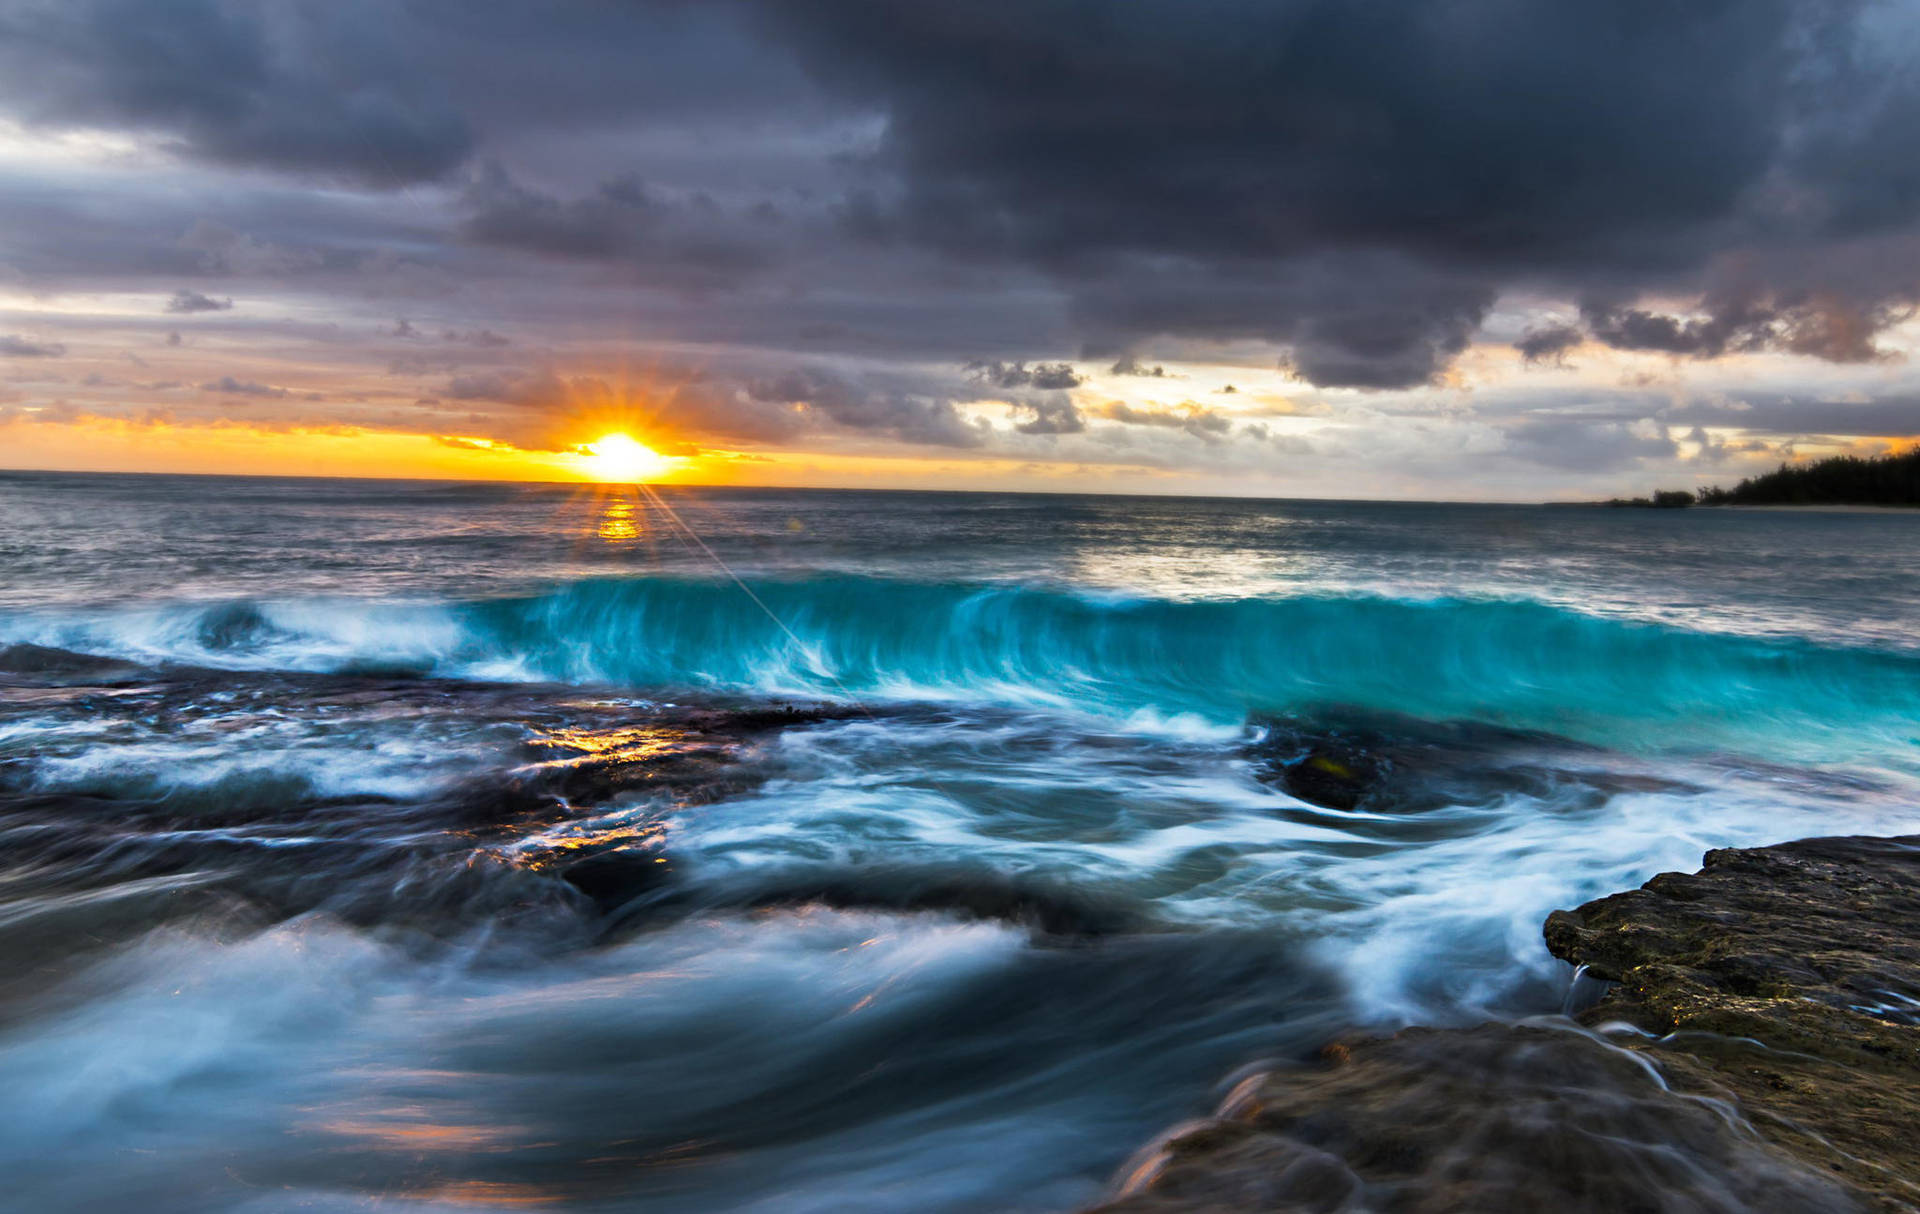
column 1522, row 663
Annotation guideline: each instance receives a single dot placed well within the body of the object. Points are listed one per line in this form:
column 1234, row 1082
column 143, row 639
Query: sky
column 1442, row 249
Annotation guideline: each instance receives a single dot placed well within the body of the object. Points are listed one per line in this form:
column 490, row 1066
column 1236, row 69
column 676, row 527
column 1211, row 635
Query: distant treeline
column 1843, row 480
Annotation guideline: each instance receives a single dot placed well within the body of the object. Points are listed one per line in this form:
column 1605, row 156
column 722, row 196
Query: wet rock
column 45, row 666
column 1501, row 1118
column 1812, row 945
column 1787, row 977
column 1761, row 1052
column 1047, row 907
column 569, row 804
column 690, row 754
column 592, row 766
column 1347, row 758
column 613, row 879
column 760, row 719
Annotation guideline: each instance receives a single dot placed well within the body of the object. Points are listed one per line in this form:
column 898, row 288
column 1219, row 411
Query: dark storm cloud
column 184, row 302
column 1226, row 147
column 1361, row 320
column 694, row 241
column 284, row 87
column 13, row 346
column 855, row 181
column 1490, row 130
column 1386, row 344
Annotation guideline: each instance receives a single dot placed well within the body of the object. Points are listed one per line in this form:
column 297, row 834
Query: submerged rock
column 613, row 879
column 1050, row 908
column 1350, row 758
column 50, row 667
column 1758, row 1049
column 545, row 812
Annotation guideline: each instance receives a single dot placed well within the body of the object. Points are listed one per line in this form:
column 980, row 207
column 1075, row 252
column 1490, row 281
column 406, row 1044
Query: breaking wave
column 1609, row 680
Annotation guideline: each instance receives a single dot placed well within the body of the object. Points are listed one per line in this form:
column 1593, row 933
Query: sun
column 619, row 457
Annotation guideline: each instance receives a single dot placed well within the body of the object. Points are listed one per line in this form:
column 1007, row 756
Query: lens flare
column 619, row 457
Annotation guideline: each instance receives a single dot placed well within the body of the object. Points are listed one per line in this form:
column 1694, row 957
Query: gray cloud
column 222, row 250
column 916, row 417
column 1048, row 376
column 1582, row 445
column 185, row 302
column 239, row 387
column 1127, row 364
column 1549, row 343
column 1825, row 326
column 1054, row 413
column 22, row 347
column 1201, row 422
column 512, row 387
column 1895, row 416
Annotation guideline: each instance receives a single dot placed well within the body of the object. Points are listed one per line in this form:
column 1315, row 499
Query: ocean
column 411, row 845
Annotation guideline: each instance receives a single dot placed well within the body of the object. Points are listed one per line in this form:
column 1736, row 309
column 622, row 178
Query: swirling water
column 292, row 906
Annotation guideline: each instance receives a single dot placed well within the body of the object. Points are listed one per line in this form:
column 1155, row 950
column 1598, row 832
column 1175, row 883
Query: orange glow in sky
column 108, row 444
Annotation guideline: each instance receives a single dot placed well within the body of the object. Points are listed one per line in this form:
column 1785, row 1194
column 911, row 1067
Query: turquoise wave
column 1608, row 680
column 1521, row 663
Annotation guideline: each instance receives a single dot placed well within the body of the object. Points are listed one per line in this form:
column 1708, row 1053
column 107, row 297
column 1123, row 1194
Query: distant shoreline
column 1789, row 507
column 1839, row 482
column 1820, row 508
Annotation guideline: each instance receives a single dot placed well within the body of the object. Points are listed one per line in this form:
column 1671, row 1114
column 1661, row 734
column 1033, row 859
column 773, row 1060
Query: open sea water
column 383, row 845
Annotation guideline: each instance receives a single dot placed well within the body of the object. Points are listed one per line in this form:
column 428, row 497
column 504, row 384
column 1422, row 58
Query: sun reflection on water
column 621, row 521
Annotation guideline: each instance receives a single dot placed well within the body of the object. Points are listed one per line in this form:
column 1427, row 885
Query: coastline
column 1760, row 1016
column 1766, row 508
column 1819, row 508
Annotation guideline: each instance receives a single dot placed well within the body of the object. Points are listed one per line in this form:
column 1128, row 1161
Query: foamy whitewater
column 442, row 847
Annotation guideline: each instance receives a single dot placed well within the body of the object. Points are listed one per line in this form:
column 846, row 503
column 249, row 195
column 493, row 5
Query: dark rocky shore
column 1754, row 1045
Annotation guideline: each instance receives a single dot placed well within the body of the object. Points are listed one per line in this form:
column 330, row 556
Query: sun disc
column 620, row 457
